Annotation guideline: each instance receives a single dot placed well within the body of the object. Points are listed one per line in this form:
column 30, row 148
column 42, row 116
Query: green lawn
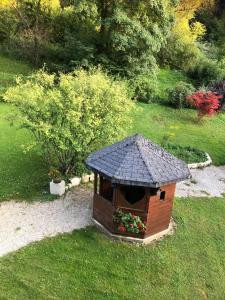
column 22, row 175
column 86, row 265
column 168, row 79
column 154, row 122
column 9, row 69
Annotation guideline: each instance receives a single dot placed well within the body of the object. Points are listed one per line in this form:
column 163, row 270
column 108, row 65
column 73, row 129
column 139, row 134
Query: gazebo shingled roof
column 138, row 161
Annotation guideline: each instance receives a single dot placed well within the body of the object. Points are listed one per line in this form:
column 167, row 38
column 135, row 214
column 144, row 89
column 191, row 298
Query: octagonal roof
column 138, row 161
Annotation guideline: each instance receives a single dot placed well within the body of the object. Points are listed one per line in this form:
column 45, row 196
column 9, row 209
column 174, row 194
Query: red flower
column 122, row 228
column 139, row 226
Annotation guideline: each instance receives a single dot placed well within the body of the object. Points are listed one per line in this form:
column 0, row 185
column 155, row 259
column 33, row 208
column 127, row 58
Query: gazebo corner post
column 114, row 186
column 95, row 183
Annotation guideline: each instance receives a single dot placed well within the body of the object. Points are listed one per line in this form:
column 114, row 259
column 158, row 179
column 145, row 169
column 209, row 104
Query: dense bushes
column 207, row 103
column 205, row 71
column 144, row 89
column 188, row 154
column 218, row 87
column 177, row 96
column 72, row 114
column 124, row 38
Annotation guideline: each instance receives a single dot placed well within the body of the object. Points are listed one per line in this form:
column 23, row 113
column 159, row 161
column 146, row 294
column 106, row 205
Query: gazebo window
column 106, row 189
column 133, row 194
column 162, row 195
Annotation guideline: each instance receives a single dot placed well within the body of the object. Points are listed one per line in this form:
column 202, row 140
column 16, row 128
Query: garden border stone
column 203, row 164
column 76, row 181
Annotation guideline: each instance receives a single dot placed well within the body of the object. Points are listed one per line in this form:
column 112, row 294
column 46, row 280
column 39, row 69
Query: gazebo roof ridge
column 155, row 153
column 144, row 160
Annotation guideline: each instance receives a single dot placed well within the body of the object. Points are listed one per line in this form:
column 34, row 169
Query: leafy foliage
column 134, row 33
column 188, row 154
column 128, row 222
column 177, row 96
column 218, row 87
column 72, row 114
column 144, row 88
column 205, row 71
column 55, row 175
column 207, row 103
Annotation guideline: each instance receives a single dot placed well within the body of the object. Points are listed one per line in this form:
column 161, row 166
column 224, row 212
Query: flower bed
column 128, row 223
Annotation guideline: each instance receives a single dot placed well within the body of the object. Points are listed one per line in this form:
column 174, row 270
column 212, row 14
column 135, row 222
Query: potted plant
column 57, row 185
column 128, row 223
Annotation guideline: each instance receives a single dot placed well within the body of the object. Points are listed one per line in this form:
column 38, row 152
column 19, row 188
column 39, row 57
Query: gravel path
column 22, row 223
column 207, row 182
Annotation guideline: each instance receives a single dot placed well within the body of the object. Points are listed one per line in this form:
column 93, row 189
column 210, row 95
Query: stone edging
column 201, row 164
column 156, row 237
column 75, row 181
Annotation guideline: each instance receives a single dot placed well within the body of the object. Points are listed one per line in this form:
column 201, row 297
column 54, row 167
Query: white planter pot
column 57, row 188
column 75, row 181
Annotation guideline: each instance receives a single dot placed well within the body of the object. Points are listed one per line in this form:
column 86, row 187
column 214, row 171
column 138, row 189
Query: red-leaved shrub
column 207, row 103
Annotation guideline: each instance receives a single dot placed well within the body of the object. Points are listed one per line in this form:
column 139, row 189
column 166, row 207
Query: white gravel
column 207, row 182
column 22, row 223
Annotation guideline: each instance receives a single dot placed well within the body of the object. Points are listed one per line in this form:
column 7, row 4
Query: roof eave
column 136, row 183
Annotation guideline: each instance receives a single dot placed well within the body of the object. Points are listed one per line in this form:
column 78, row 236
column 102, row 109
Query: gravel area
column 22, row 223
column 207, row 182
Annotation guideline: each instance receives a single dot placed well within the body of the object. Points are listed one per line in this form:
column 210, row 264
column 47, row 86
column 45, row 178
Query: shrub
column 218, row 87
column 205, row 71
column 177, row 96
column 144, row 89
column 207, row 103
column 186, row 153
column 71, row 115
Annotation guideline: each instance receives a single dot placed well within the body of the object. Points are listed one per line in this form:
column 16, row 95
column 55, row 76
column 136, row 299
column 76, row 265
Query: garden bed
column 188, row 154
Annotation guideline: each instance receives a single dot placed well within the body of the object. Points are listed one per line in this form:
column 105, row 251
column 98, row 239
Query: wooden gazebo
column 134, row 187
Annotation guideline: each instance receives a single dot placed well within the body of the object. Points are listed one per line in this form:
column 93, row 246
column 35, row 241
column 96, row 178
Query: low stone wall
column 201, row 164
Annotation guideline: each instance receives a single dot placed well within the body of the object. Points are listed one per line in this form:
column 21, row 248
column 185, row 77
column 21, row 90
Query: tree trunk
column 36, row 33
column 105, row 9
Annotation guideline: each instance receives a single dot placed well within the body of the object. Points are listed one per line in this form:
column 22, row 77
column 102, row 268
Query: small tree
column 71, row 115
column 207, row 103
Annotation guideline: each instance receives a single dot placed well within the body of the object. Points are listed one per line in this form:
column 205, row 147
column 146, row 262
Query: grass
column 168, row 79
column 22, row 175
column 157, row 121
column 9, row 69
column 86, row 265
